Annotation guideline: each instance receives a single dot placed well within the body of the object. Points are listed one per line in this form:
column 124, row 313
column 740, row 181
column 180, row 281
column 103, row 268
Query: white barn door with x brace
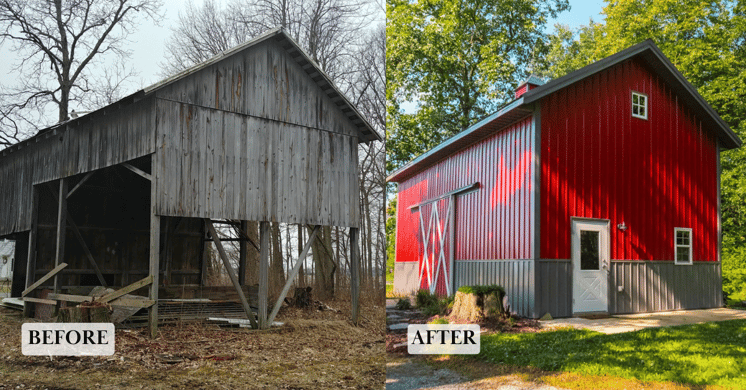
column 436, row 261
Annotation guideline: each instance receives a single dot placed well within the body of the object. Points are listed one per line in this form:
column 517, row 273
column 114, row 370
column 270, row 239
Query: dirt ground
column 313, row 350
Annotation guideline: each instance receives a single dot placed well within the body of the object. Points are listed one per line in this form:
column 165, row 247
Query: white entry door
column 590, row 259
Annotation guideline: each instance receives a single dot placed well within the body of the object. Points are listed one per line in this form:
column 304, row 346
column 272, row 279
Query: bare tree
column 59, row 42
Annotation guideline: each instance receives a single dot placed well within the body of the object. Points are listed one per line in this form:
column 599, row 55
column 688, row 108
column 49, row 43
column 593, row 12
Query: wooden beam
column 138, row 171
column 43, row 279
column 263, row 273
column 86, row 250
column 39, row 300
column 231, row 273
column 155, row 243
column 121, row 302
column 355, row 274
column 80, row 183
column 61, row 230
column 242, row 253
column 31, row 256
column 292, row 275
column 70, row 298
column 129, row 302
column 126, row 290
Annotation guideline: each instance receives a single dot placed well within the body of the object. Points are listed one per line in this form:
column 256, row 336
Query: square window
column 683, row 245
column 639, row 105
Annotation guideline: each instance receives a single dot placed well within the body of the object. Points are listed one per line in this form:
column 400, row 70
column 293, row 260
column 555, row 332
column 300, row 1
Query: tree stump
column 477, row 303
column 466, row 307
column 302, row 297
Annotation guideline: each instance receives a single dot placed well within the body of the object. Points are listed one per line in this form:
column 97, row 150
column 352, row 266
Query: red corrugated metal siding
column 493, row 222
column 598, row 161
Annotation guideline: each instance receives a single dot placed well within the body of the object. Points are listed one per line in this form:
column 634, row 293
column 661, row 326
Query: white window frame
column 676, row 246
column 644, row 106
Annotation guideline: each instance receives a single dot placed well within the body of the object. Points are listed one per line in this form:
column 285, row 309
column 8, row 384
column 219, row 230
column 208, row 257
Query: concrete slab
column 632, row 322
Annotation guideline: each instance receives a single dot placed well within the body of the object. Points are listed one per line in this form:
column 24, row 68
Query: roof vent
column 530, row 83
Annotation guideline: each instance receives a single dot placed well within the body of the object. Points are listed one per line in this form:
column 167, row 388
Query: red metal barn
column 595, row 192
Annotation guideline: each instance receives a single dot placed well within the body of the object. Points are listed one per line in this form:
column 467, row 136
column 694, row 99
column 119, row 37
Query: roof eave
column 510, row 113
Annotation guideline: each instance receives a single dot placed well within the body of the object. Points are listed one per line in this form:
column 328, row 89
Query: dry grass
column 315, row 350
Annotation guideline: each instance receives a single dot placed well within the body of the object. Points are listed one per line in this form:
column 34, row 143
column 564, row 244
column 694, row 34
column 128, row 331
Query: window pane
column 634, row 98
column 682, row 254
column 589, row 256
column 642, row 111
column 636, row 110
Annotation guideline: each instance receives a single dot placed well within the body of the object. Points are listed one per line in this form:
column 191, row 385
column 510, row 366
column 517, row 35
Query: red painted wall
column 493, row 222
column 597, row 161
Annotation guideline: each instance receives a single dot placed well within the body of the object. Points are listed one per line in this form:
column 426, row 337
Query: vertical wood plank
column 263, row 273
column 155, row 243
column 31, row 258
column 59, row 254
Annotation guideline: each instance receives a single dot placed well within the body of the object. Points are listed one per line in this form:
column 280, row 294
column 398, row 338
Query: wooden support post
column 292, row 274
column 301, row 271
column 231, row 273
column 355, row 274
column 202, row 260
column 31, row 256
column 61, row 230
column 155, row 243
column 242, row 253
column 263, row 273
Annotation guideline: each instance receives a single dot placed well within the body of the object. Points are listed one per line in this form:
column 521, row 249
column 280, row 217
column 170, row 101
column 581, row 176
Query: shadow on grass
column 711, row 353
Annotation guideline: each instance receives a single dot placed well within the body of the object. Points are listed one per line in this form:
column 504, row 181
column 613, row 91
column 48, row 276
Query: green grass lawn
column 712, row 353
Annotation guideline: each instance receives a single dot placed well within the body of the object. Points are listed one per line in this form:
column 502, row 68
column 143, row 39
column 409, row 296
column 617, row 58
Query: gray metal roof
column 367, row 133
column 519, row 108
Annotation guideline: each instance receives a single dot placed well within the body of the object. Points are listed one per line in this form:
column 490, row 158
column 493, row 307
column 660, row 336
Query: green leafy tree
column 707, row 42
column 459, row 59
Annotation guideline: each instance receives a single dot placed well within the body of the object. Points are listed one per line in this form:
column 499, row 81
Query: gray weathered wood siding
column 103, row 140
column 213, row 163
column 262, row 81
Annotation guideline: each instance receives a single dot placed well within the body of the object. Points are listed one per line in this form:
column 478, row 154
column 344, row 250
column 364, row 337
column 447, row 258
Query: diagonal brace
column 293, row 274
column 231, row 273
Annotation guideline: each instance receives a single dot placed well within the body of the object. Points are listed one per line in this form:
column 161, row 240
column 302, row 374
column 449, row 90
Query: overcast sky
column 147, row 44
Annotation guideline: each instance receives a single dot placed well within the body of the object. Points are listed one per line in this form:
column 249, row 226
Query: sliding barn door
column 436, row 238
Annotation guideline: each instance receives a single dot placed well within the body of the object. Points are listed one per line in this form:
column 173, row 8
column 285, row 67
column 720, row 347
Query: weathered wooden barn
column 595, row 192
column 129, row 192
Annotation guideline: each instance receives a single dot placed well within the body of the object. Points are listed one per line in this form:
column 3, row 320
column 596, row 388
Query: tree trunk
column 324, row 265
column 276, row 269
column 252, row 254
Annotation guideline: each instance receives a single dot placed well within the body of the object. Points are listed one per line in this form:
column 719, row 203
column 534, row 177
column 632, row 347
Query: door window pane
column 589, row 256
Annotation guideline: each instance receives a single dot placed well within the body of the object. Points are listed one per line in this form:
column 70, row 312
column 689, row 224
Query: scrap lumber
column 43, row 279
column 40, row 300
column 126, row 290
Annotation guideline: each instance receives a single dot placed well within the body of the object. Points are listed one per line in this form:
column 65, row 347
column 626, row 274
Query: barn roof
column 647, row 51
column 322, row 80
